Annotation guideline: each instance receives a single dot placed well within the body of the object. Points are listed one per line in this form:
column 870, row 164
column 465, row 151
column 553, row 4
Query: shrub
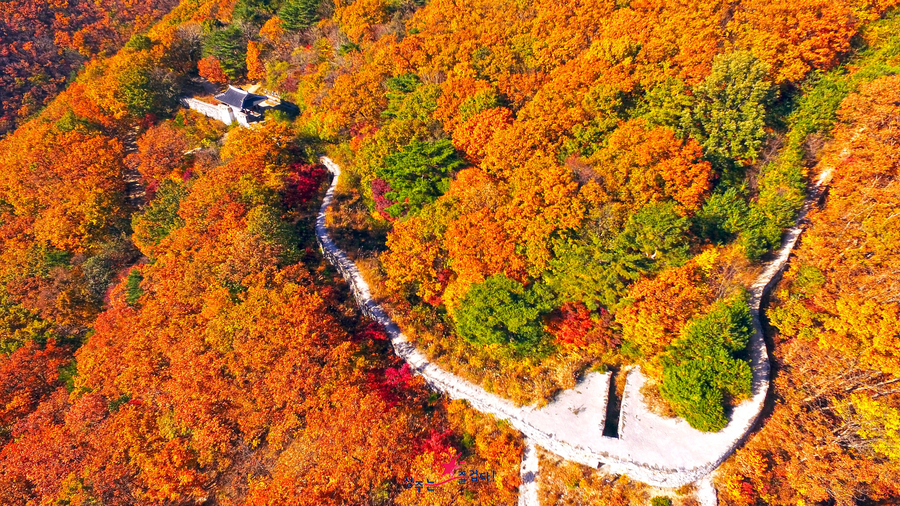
column 656, row 232
column 133, row 290
column 702, row 366
column 500, row 311
column 418, row 175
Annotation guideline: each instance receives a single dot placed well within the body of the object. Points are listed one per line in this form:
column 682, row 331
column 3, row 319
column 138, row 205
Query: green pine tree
column 730, row 107
column 298, row 14
column 500, row 311
column 418, row 175
column 229, row 46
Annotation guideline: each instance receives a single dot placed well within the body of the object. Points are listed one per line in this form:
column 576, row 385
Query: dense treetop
column 44, row 43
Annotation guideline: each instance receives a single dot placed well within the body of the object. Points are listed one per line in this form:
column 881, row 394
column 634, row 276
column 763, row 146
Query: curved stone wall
column 654, row 450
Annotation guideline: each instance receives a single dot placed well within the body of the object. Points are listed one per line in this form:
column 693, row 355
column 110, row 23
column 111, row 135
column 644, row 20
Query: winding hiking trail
column 135, row 193
column 664, row 452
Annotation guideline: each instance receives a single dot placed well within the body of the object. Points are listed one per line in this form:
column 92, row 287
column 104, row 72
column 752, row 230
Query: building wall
column 222, row 112
column 219, row 112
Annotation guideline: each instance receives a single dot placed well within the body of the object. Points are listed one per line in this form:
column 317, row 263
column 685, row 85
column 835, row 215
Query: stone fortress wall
column 221, row 112
column 651, row 449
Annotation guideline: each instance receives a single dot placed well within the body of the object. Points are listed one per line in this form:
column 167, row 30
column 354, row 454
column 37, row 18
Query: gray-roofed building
column 239, row 99
column 237, row 105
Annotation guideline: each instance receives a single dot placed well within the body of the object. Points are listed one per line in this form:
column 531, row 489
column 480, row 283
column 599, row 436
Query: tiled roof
column 236, row 97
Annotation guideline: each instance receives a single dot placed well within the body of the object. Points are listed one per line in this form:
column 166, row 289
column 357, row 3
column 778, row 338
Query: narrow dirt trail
column 657, row 451
column 134, row 190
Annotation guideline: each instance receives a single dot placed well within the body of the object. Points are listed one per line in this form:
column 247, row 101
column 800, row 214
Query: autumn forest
column 533, row 191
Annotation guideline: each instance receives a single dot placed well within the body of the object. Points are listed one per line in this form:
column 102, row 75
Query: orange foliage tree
column 640, row 166
column 160, row 151
column 795, row 38
column 661, row 306
column 473, row 136
column 211, row 69
column 68, row 182
column 358, row 18
column 256, row 70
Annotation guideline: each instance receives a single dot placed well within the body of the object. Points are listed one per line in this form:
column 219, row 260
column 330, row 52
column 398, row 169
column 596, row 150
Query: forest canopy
column 534, row 191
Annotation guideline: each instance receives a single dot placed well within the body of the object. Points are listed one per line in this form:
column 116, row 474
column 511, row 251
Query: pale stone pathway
column 658, row 451
column 528, row 490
